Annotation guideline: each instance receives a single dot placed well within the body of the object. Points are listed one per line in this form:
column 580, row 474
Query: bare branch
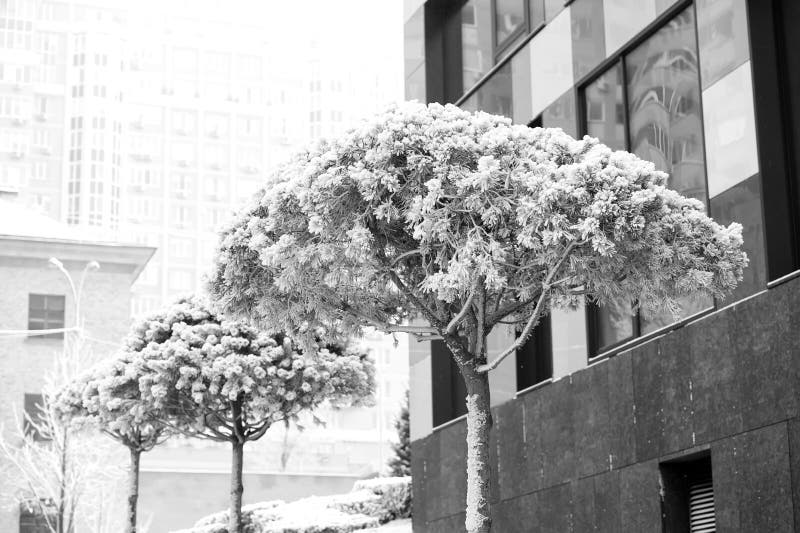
column 534, row 318
column 430, row 316
column 451, row 327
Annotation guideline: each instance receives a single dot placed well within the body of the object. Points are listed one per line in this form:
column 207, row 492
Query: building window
column 46, row 311
column 32, row 521
column 449, row 390
column 509, row 20
column 649, row 104
column 35, row 417
column 535, row 358
column 688, row 495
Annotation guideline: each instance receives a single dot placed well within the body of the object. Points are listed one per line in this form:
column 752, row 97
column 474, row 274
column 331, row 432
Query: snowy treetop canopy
column 189, row 358
column 108, row 395
column 417, row 207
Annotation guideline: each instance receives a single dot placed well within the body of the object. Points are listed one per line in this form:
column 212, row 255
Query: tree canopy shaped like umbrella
column 224, row 380
column 465, row 221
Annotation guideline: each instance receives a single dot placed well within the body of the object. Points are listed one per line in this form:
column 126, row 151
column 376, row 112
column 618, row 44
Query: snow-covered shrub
column 386, row 498
column 371, row 502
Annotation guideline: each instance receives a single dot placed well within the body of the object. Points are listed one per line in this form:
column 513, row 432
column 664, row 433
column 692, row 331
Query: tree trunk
column 235, row 522
column 133, row 489
column 479, row 477
column 62, row 485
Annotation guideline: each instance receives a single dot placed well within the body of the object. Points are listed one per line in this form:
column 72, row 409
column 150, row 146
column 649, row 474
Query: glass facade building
column 669, row 81
column 708, row 90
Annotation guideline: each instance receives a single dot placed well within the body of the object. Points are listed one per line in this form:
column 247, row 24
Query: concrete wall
column 583, row 453
column 175, row 500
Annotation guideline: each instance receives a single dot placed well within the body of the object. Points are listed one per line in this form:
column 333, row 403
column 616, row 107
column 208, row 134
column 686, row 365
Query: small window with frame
column 45, row 312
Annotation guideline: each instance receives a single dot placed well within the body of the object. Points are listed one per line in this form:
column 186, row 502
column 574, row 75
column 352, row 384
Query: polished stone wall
column 583, row 453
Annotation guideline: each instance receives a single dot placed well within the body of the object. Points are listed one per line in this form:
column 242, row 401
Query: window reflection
column 722, row 37
column 615, row 323
column 664, row 105
column 604, row 109
column 742, row 204
column 561, row 114
column 536, row 13
column 509, row 17
column 476, row 39
column 588, row 39
column 494, row 96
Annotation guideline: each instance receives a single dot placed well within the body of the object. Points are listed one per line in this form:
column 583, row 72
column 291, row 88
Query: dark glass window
column 46, row 311
column 536, row 13
column 605, row 113
column 588, row 36
column 742, row 203
column 448, row 388
column 535, row 358
column 494, row 96
column 509, row 19
column 614, row 323
column 665, row 123
column 477, row 56
column 722, row 37
column 561, row 114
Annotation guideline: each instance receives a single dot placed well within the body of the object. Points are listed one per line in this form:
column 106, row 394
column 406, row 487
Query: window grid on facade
column 46, row 311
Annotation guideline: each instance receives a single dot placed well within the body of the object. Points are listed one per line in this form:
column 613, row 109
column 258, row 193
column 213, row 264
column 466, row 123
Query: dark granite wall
column 583, row 453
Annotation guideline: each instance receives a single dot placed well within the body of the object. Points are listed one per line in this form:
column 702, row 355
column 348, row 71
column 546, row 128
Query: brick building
column 609, row 421
column 34, row 296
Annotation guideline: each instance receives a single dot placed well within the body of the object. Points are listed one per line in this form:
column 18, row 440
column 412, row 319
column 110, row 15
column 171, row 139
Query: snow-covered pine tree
column 400, row 462
column 108, row 397
column 226, row 381
column 464, row 222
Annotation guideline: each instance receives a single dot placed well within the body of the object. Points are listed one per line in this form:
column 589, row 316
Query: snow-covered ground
column 395, row 526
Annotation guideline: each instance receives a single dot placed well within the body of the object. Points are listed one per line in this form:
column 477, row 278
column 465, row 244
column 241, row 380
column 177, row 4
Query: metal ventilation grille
column 701, row 508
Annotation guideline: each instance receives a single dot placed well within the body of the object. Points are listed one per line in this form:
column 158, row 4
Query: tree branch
column 451, row 327
column 534, row 318
column 430, row 316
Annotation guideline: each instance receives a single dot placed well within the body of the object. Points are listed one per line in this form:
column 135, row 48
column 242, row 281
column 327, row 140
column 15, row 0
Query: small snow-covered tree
column 400, row 463
column 64, row 477
column 466, row 222
column 225, row 381
column 108, row 397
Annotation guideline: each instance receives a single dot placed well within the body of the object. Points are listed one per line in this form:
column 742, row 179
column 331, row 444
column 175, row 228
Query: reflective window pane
column 494, row 96
column 730, row 132
column 614, row 323
column 742, row 203
column 721, row 37
column 665, row 123
column 509, row 17
column 551, row 62
column 588, row 37
column 536, row 13
column 561, row 114
column 476, row 39
column 604, row 108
